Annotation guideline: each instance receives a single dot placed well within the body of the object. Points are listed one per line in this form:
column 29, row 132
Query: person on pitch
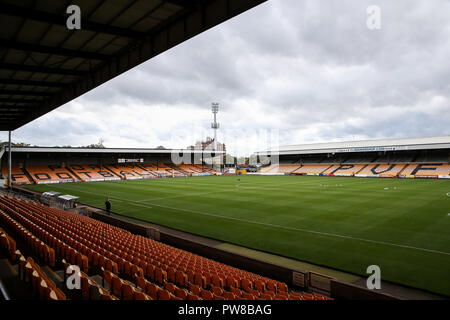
column 108, row 206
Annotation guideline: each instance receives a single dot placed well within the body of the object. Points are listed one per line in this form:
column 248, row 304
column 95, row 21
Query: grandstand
column 312, row 169
column 50, row 174
column 92, row 172
column 115, row 264
column 388, row 170
column 17, row 174
column 90, row 165
column 427, row 157
column 281, row 168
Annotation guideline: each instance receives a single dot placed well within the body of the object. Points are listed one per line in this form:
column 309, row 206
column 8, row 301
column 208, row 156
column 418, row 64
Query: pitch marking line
column 216, row 192
column 306, row 230
column 285, row 227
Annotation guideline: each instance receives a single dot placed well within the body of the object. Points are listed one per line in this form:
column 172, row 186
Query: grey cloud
column 309, row 68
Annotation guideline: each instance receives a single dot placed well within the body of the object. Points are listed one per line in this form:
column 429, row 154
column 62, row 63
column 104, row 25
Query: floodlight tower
column 215, row 125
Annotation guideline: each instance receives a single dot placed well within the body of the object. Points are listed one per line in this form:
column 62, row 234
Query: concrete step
column 97, row 278
column 16, row 288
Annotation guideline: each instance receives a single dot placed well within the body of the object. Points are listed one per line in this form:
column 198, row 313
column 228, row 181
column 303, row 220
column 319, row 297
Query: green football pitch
column 401, row 225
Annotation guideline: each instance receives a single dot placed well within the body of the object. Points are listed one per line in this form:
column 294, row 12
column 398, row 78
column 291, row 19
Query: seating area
column 159, row 169
column 92, row 172
column 312, row 168
column 205, row 169
column 388, row 170
column 40, row 285
column 128, row 266
column 34, row 174
column 128, row 171
column 50, row 174
column 138, row 170
column 18, row 176
column 280, row 168
column 189, row 168
column 165, row 169
column 350, row 169
column 344, row 169
column 427, row 169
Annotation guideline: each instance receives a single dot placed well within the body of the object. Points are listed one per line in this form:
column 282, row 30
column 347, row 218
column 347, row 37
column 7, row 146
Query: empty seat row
column 131, row 258
column 30, row 272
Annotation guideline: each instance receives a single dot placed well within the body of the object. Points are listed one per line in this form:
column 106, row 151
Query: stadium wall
column 347, row 291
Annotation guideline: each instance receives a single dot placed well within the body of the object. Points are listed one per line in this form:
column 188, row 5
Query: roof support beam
column 48, row 17
column 185, row 4
column 25, row 93
column 10, row 114
column 52, row 50
column 10, row 108
column 14, row 100
column 46, row 84
column 41, row 69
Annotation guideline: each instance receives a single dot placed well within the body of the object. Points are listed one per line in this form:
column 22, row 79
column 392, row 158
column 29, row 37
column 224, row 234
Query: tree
column 98, row 145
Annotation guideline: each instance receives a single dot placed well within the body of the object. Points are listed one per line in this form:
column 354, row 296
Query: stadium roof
column 441, row 142
column 44, row 65
column 108, row 150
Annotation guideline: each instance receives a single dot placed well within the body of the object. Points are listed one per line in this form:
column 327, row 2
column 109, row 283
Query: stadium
column 309, row 224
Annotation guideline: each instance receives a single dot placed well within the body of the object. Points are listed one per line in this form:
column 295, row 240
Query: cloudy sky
column 303, row 71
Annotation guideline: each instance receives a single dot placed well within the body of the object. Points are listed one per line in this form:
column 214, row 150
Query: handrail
column 4, row 293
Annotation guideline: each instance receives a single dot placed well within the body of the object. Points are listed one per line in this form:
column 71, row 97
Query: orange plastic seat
column 150, row 272
column 200, row 280
column 140, row 296
column 259, row 285
column 107, row 277
column 193, row 297
column 181, row 279
column 170, row 287
column 195, row 289
column 152, row 290
column 140, row 283
column 271, row 286
column 229, row 295
column 248, row 296
column 307, row 296
column 117, row 286
column 206, row 295
column 282, row 287
column 216, row 281
column 171, row 275
column 181, row 293
column 265, row 296
column 231, row 282
column 236, row 292
column 85, row 287
column 246, row 284
column 217, row 291
column 160, row 276
column 127, row 292
column 163, row 295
